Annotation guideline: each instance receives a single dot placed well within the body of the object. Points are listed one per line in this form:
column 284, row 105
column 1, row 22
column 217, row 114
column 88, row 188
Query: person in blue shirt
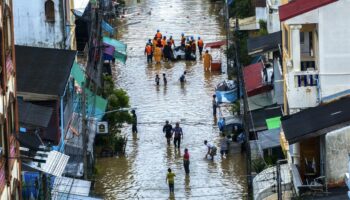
column 178, row 135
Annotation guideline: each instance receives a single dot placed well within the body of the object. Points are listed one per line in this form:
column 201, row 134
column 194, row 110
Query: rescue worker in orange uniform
column 164, row 43
column 193, row 46
column 149, row 53
column 172, row 42
column 183, row 40
column 158, row 54
column 155, row 42
column 158, row 35
column 207, row 59
column 200, row 44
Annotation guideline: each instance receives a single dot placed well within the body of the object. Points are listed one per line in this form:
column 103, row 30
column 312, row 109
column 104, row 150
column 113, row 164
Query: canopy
column 316, row 121
column 263, row 44
column 120, row 49
column 108, row 28
column 215, row 45
column 269, row 138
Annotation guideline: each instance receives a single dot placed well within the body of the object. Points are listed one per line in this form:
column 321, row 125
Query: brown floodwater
column 140, row 174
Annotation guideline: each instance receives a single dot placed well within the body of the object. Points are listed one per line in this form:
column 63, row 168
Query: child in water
column 182, row 77
column 164, row 79
column 157, row 79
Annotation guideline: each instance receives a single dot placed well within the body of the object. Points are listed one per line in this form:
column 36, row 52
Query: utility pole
column 240, row 83
column 227, row 36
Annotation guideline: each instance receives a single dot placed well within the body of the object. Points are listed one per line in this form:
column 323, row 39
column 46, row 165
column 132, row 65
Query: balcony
column 302, row 89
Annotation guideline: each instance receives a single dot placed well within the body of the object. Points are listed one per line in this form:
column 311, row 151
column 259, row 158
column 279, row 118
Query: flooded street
column 141, row 173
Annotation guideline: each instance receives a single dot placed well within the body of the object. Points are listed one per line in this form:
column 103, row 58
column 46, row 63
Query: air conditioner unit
column 102, row 127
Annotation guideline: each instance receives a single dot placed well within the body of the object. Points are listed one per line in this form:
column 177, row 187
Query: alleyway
column 141, row 173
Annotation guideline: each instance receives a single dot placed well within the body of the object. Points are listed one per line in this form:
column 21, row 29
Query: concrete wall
column 31, row 28
column 337, row 151
column 334, row 47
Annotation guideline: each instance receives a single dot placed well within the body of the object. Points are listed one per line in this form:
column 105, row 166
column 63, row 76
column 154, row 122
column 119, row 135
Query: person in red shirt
column 187, row 161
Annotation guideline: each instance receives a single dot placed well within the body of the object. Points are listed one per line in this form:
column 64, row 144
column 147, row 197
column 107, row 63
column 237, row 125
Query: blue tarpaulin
column 30, row 185
column 108, row 28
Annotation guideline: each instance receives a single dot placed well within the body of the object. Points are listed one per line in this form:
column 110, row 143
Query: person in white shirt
column 211, row 150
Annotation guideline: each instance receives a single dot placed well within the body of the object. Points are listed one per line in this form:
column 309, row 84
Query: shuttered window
column 50, row 11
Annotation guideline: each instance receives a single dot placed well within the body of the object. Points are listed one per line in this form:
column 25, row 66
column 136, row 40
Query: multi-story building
column 10, row 170
column 47, row 23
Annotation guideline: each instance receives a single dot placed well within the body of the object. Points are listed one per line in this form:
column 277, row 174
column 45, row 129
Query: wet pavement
column 141, row 173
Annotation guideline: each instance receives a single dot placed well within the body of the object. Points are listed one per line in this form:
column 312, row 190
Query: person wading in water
column 167, row 129
column 178, row 134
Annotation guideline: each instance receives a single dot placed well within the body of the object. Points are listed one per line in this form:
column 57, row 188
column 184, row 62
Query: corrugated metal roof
column 253, row 79
column 55, row 162
column 70, row 187
column 43, row 70
column 297, row 7
column 316, row 121
column 34, row 115
column 262, row 44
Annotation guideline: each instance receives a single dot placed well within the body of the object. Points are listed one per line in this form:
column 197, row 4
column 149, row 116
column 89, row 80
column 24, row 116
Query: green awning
column 99, row 102
column 119, row 46
column 119, row 56
column 78, row 74
column 273, row 123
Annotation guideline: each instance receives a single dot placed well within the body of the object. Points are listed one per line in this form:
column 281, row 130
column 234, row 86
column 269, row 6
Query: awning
column 120, row 48
column 261, row 119
column 316, row 121
column 215, row 45
column 106, row 27
column 78, row 74
column 43, row 71
column 55, row 162
column 253, row 79
column 266, row 43
column 96, row 104
column 269, row 138
column 33, row 115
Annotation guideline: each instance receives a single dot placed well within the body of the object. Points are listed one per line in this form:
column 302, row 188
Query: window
column 286, row 40
column 50, row 11
column 7, row 30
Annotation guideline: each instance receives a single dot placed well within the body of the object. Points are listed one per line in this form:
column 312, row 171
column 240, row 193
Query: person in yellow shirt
column 157, row 54
column 207, row 59
column 170, row 178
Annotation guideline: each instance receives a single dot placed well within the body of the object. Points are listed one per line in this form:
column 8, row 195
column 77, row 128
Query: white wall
column 334, row 47
column 337, row 151
column 31, row 28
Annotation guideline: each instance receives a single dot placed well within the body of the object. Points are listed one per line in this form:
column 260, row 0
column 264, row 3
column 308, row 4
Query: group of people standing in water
column 163, row 47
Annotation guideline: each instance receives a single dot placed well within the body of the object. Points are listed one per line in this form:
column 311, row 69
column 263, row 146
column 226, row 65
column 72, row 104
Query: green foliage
column 263, row 28
column 258, row 165
column 235, row 107
column 117, row 99
column 241, row 9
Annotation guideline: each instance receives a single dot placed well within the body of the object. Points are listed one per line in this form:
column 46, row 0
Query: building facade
column 10, row 168
column 45, row 23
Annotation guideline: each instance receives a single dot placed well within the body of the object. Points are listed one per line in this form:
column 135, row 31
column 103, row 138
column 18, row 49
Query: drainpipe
column 296, row 154
column 62, row 123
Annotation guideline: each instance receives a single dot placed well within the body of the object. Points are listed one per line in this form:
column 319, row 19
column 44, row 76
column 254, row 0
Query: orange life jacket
column 200, row 43
column 159, row 35
column 148, row 50
column 163, row 42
